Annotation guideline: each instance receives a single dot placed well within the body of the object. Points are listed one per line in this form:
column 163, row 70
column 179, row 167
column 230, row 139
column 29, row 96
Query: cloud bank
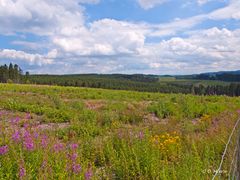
column 74, row 45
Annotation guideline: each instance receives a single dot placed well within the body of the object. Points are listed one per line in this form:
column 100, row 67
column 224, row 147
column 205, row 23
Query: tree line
column 117, row 82
column 229, row 77
column 232, row 89
column 10, row 73
column 126, row 82
column 137, row 82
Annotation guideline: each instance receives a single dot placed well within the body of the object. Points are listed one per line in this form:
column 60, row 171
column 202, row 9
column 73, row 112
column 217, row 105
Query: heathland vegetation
column 52, row 132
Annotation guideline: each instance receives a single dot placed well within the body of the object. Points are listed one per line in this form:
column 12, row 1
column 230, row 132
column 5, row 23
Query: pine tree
column 11, row 71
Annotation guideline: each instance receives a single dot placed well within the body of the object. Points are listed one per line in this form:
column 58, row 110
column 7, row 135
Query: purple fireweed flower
column 238, row 111
column 15, row 120
column 28, row 116
column 58, row 147
column 3, row 149
column 27, row 134
column 22, row 171
column 29, row 145
column 76, row 168
column 44, row 141
column 73, row 146
column 36, row 135
column 16, row 136
column 28, row 141
column 88, row 175
column 26, row 125
column 73, row 156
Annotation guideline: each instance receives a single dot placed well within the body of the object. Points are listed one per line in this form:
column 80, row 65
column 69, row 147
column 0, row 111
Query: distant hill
column 228, row 76
column 223, row 72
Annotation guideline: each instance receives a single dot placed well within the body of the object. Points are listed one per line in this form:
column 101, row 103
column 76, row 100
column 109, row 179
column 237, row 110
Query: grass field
column 51, row 132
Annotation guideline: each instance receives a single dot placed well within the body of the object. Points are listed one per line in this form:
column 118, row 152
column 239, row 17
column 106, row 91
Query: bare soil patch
column 95, row 104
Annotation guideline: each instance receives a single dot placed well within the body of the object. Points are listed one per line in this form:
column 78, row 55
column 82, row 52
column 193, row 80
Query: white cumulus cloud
column 37, row 59
column 40, row 17
column 232, row 11
column 110, row 45
column 212, row 49
column 104, row 37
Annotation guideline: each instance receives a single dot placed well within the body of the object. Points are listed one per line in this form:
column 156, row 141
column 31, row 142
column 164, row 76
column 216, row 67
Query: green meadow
column 53, row 132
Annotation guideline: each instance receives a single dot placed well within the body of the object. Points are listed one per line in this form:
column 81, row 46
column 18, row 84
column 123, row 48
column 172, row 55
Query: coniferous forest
column 11, row 73
column 197, row 85
column 143, row 83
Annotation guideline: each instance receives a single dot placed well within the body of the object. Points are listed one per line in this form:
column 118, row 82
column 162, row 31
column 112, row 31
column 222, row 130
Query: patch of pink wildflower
column 58, row 147
column 3, row 149
column 28, row 116
column 22, row 171
column 73, row 146
column 44, row 141
column 16, row 136
column 88, row 174
column 15, row 121
column 76, row 168
column 28, row 141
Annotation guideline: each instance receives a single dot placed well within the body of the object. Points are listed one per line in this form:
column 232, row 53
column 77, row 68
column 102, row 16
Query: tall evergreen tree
column 11, row 71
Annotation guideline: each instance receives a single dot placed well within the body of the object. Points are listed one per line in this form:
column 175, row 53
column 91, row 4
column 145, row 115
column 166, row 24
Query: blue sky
column 130, row 10
column 120, row 36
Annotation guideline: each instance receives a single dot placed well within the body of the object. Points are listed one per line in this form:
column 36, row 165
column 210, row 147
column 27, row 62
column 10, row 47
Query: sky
column 120, row 36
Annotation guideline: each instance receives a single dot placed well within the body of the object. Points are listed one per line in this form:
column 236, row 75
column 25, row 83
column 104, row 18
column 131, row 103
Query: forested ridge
column 202, row 84
column 230, row 77
column 144, row 83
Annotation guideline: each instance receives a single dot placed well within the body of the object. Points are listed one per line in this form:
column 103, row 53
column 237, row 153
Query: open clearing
column 51, row 132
